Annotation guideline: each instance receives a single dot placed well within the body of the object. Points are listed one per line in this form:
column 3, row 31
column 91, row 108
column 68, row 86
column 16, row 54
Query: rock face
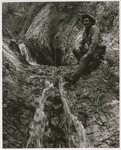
column 37, row 39
column 47, row 36
column 96, row 108
column 39, row 108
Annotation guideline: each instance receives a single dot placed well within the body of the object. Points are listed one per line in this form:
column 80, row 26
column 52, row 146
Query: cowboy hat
column 92, row 19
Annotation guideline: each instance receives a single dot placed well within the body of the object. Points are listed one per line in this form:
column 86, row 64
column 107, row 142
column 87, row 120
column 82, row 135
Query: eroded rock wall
column 92, row 101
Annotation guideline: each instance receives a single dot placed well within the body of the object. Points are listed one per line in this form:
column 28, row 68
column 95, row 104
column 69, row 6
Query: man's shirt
column 92, row 40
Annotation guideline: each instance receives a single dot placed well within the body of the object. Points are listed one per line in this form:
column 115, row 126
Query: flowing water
column 37, row 127
column 25, row 53
column 78, row 138
column 67, row 129
column 53, row 125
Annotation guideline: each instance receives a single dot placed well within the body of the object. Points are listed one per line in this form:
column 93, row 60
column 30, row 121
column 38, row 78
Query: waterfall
column 74, row 132
column 25, row 53
column 78, row 139
column 37, row 127
column 53, row 120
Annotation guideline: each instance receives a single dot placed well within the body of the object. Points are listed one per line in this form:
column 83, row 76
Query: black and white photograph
column 60, row 74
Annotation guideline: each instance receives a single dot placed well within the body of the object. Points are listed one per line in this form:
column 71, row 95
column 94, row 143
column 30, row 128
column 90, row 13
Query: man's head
column 88, row 20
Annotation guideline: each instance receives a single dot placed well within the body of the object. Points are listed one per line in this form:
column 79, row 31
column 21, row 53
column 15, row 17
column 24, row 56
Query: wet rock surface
column 39, row 108
column 99, row 112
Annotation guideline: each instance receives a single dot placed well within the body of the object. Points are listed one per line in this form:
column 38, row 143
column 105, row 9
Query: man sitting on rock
column 91, row 50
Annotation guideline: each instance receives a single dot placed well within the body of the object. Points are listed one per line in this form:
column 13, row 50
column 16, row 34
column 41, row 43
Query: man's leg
column 86, row 66
column 81, row 70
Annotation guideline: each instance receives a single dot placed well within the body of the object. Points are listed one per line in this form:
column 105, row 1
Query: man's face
column 87, row 23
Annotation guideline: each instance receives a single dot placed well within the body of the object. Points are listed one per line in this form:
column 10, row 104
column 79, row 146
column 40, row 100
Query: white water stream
column 37, row 127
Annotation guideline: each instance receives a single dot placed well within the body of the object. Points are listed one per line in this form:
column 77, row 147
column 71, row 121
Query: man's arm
column 82, row 43
column 94, row 40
